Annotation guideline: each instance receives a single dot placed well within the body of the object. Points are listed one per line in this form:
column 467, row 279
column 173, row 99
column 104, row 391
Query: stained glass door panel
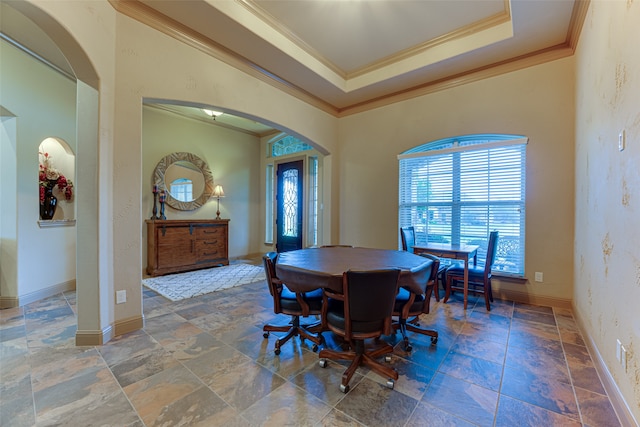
column 289, row 199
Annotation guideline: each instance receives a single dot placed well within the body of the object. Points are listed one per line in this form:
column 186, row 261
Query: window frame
column 290, row 149
column 504, row 210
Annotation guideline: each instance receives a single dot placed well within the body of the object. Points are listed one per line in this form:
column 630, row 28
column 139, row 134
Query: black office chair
column 362, row 311
column 479, row 278
column 294, row 304
column 408, row 237
column 409, row 306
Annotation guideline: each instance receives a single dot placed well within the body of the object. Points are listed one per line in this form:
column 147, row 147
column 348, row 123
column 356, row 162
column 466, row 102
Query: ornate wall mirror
column 186, row 180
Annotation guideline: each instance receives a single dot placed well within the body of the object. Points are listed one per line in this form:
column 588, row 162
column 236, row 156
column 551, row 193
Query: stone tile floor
column 204, row 362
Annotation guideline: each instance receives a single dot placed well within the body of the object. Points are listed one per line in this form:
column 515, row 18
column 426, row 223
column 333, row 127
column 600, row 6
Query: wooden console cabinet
column 182, row 245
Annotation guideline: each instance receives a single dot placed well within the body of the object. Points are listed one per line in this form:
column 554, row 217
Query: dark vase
column 48, row 206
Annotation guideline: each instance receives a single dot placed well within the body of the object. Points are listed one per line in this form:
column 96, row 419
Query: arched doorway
column 93, row 327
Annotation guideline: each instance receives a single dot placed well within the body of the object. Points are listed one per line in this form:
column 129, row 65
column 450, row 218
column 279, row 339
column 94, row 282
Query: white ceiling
column 350, row 52
column 349, row 55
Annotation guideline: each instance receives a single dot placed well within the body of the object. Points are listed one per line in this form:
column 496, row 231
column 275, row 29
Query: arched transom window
column 288, row 145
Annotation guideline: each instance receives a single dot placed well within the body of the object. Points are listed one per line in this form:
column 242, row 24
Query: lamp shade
column 218, row 191
column 212, row 113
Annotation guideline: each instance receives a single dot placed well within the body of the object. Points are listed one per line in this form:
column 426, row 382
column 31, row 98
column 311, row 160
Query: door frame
column 305, row 199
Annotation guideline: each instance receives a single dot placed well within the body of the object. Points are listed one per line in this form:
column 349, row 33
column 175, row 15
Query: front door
column 289, row 206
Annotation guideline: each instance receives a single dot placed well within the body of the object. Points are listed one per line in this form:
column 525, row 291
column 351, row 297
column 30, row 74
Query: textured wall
column 234, row 161
column 536, row 102
column 133, row 62
column 44, row 103
column 152, row 65
column 607, row 256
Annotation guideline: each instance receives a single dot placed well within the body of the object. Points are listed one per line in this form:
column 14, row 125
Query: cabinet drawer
column 175, row 247
column 175, row 256
column 205, row 232
column 173, row 235
column 211, row 249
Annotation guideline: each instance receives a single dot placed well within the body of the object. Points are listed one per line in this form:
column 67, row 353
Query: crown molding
column 265, row 16
column 168, row 108
column 152, row 18
column 468, row 30
column 465, row 31
column 578, row 15
column 492, row 70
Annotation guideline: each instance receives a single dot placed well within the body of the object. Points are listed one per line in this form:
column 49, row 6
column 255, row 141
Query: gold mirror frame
column 161, row 169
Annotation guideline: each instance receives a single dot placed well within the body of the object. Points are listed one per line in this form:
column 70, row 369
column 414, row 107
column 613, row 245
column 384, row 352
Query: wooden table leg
column 466, row 281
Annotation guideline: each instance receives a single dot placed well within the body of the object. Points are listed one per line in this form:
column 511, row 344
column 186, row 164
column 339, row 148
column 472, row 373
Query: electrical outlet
column 618, row 350
column 121, row 297
column 623, row 358
column 538, row 276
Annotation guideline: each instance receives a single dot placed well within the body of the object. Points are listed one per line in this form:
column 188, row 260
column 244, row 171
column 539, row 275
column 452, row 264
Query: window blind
column 458, row 193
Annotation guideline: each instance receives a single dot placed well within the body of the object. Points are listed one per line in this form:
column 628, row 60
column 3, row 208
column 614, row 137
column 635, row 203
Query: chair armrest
column 303, row 304
column 326, row 294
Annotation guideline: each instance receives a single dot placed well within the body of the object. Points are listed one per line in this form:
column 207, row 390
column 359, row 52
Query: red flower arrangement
column 49, row 177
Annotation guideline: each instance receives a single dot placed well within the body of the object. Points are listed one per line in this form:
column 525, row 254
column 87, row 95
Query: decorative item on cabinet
column 217, row 193
column 162, row 201
column 183, row 245
column 154, row 212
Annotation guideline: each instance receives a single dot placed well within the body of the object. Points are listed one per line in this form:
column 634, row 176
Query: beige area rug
column 180, row 286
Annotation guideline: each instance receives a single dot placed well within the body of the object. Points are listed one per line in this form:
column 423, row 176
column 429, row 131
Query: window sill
column 48, row 223
column 509, row 278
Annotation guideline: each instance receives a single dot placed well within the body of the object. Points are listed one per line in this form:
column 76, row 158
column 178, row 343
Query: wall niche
column 56, row 179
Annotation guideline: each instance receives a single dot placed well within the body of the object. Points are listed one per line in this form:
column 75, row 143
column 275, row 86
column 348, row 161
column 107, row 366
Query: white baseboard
column 527, row 298
column 11, row 302
column 8, row 302
column 94, row 338
column 615, row 396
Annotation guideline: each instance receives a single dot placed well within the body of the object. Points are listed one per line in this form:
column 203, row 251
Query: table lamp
column 217, row 193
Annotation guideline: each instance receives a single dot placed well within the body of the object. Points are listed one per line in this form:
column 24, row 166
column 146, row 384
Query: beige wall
column 84, row 33
column 234, row 160
column 135, row 62
column 152, row 65
column 536, row 102
column 607, row 258
column 44, row 105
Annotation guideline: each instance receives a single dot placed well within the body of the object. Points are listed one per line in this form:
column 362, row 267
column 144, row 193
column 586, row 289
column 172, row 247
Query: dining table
column 304, row 270
column 462, row 252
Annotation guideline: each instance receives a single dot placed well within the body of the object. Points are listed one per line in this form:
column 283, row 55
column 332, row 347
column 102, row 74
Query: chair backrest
column 408, row 236
column 369, row 297
column 269, row 262
column 491, row 252
column 435, row 266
